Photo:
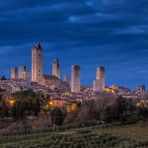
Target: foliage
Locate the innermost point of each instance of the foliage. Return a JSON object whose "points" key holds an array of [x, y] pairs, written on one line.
{"points": [[3, 78], [143, 111], [57, 116], [4, 109], [27, 103], [18, 110], [106, 110], [126, 111]]}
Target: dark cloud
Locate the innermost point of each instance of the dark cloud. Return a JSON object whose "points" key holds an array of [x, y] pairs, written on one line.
{"points": [[113, 33]]}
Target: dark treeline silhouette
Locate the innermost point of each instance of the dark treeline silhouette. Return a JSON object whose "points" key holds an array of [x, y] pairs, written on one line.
{"points": [[30, 103]]}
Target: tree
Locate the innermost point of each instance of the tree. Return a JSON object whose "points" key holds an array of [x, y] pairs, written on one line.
{"points": [[18, 110], [4, 109], [3, 78], [57, 117], [27, 102], [125, 109], [36, 107], [143, 112], [109, 113], [122, 104]]}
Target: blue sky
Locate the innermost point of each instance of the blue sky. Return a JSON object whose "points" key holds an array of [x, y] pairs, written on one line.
{"points": [[113, 33]]}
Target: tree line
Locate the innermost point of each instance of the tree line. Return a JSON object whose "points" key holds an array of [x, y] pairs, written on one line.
{"points": [[30, 103]]}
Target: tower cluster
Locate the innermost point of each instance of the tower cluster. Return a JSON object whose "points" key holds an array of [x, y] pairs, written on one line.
{"points": [[54, 80], [37, 71]]}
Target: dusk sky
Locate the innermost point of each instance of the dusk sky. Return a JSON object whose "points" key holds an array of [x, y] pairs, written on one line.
{"points": [[113, 33]]}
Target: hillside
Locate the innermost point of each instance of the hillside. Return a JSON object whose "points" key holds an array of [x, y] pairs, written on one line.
{"points": [[121, 136]]}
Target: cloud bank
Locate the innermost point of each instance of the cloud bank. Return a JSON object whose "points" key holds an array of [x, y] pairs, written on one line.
{"points": [[112, 33]]}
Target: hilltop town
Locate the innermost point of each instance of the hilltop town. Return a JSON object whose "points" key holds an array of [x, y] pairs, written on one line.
{"points": [[66, 89], [34, 103]]}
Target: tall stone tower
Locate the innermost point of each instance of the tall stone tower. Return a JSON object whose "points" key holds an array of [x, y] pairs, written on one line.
{"points": [[37, 63], [56, 68], [75, 78], [100, 73], [14, 73], [99, 83]]}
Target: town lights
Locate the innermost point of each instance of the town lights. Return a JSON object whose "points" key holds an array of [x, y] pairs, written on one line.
{"points": [[12, 102], [51, 103]]}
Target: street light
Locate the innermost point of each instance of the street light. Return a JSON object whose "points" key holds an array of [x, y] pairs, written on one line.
{"points": [[12, 102]]}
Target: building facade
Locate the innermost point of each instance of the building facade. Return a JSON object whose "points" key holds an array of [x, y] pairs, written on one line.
{"points": [[27, 76], [96, 85], [141, 88], [51, 81], [67, 79], [21, 71]]}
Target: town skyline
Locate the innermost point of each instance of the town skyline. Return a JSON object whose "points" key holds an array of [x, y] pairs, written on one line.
{"points": [[49, 72]]}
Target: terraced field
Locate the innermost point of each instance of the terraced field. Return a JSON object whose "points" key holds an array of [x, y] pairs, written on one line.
{"points": [[119, 137]]}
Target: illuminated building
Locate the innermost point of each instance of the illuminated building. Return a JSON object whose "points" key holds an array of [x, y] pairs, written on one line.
{"points": [[51, 81], [75, 81], [56, 68], [99, 83], [141, 88], [14, 73], [57, 103], [67, 79], [27, 76], [21, 71], [37, 63], [115, 87], [96, 85]]}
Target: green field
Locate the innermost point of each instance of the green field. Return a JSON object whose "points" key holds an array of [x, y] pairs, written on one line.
{"points": [[133, 136]]}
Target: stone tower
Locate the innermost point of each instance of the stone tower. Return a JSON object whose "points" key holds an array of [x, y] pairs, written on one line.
{"points": [[56, 68], [75, 78], [37, 63], [14, 73], [99, 83]]}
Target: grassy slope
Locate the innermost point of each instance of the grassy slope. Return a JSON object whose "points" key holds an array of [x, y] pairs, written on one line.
{"points": [[130, 136]]}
